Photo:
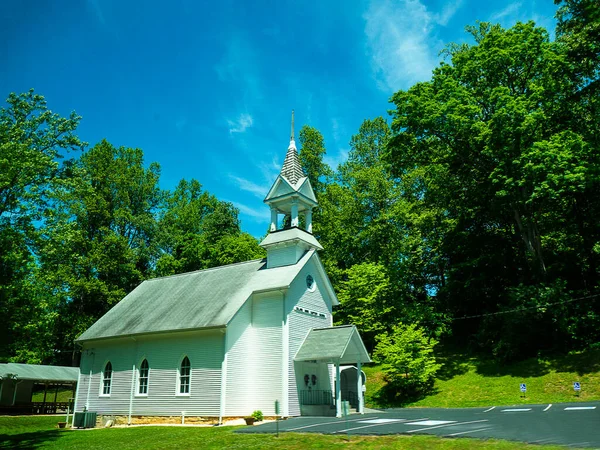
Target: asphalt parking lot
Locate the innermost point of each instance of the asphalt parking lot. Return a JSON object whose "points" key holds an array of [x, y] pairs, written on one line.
{"points": [[569, 424]]}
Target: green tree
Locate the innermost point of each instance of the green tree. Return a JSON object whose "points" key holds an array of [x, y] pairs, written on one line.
{"points": [[312, 152], [364, 297], [407, 359], [199, 231], [33, 141], [100, 237], [499, 185]]}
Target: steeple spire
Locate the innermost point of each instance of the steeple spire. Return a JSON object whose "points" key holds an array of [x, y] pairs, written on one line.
{"points": [[292, 169], [292, 134]]}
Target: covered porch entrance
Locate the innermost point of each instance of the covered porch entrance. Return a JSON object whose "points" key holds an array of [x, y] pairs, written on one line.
{"points": [[325, 348]]}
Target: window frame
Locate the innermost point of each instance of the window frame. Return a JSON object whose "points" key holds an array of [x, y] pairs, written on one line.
{"points": [[104, 381], [184, 377], [139, 377]]}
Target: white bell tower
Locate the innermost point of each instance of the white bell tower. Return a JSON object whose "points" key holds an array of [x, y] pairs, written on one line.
{"points": [[290, 195]]}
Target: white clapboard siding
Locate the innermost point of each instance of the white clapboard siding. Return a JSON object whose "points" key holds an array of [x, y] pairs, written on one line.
{"points": [[299, 325], [239, 383], [284, 256], [164, 355], [265, 357]]}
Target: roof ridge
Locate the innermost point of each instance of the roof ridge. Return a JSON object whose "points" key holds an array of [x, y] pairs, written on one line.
{"points": [[333, 326], [206, 270]]}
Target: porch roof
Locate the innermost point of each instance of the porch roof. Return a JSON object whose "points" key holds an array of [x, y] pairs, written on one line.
{"points": [[335, 345], [40, 373]]}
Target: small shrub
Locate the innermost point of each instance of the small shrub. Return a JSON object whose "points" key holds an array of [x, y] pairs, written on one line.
{"points": [[258, 415]]}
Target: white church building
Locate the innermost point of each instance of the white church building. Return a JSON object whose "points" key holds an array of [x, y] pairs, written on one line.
{"points": [[226, 341]]}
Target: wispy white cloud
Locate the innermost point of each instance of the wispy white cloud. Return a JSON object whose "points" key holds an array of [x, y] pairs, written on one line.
{"points": [[241, 124], [258, 214], [510, 10], [239, 68], [450, 8], [248, 186], [270, 169], [402, 40]]}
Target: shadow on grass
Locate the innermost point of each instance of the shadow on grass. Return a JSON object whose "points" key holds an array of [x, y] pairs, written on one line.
{"points": [[452, 366], [580, 363], [532, 367], [30, 440], [391, 397]]}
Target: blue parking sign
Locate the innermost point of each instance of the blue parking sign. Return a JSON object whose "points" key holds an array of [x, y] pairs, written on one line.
{"points": [[577, 386], [523, 387]]}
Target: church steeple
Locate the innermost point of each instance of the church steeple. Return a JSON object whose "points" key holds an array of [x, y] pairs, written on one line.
{"points": [[292, 169], [291, 195]]}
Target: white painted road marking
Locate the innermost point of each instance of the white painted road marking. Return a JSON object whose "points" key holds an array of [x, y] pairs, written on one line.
{"points": [[578, 408], [547, 407], [367, 426], [447, 425], [516, 410], [429, 423], [488, 410], [321, 424], [466, 432], [382, 420]]}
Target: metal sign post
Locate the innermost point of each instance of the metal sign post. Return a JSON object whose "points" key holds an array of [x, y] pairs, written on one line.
{"points": [[277, 416], [523, 388], [577, 387]]}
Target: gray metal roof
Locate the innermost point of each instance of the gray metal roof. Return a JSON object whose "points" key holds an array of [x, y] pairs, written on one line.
{"points": [[290, 234], [342, 345], [40, 372], [202, 299], [292, 169]]}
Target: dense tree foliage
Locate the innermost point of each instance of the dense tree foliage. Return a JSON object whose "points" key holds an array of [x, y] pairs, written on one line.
{"points": [[484, 148], [472, 216], [78, 235]]}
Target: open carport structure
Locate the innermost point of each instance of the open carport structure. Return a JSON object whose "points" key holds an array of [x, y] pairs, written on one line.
{"points": [[18, 382]]}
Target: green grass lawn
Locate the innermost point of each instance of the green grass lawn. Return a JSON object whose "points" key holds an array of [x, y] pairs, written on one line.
{"points": [[40, 433], [465, 382]]}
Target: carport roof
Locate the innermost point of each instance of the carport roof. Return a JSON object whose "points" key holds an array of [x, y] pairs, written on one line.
{"points": [[40, 373], [336, 345]]}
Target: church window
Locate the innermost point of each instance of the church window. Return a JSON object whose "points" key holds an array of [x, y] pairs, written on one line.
{"points": [[107, 378], [184, 376], [143, 378]]}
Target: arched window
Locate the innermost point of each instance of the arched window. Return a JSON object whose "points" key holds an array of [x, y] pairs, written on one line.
{"points": [[106, 378], [184, 376], [143, 378]]}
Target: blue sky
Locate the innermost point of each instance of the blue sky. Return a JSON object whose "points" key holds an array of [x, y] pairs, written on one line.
{"points": [[206, 88]]}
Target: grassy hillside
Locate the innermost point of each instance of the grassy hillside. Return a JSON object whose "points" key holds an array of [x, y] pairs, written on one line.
{"points": [[469, 381]]}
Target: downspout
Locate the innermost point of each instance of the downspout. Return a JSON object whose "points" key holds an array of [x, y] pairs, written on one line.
{"points": [[132, 382], [223, 398], [87, 400], [285, 367], [131, 394]]}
